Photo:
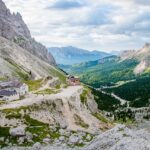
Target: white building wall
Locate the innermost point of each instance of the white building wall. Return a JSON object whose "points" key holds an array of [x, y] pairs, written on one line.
{"points": [[24, 89], [12, 97]]}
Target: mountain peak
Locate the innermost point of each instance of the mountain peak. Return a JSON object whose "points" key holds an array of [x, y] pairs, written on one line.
{"points": [[12, 25], [13, 28], [3, 9], [2, 4], [18, 15]]}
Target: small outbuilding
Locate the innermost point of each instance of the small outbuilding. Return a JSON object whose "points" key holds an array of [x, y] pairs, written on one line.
{"points": [[72, 80]]}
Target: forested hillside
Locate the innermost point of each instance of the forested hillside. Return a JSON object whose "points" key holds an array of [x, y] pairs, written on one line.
{"points": [[104, 72], [137, 92]]}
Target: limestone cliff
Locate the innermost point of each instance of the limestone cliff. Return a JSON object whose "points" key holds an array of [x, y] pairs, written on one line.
{"points": [[142, 55], [12, 27]]}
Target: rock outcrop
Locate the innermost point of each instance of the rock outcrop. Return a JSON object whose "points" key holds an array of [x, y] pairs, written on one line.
{"points": [[121, 138], [118, 138], [12, 27], [16, 132], [142, 55]]}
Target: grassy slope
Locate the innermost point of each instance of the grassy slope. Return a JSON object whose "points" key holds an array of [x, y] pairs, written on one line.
{"points": [[21, 73], [19, 63]]}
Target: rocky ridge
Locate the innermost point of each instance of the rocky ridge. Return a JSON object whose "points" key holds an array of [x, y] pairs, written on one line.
{"points": [[142, 55], [13, 28]]}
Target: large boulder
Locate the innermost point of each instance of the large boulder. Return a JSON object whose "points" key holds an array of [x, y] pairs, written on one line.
{"points": [[46, 140], [73, 139], [17, 132], [37, 146]]}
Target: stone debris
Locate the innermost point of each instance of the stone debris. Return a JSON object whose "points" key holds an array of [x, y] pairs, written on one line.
{"points": [[46, 140], [18, 131], [73, 139]]}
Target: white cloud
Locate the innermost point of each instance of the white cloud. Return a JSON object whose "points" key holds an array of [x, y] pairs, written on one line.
{"points": [[91, 24]]}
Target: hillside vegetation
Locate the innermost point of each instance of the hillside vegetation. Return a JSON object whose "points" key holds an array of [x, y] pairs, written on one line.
{"points": [[105, 102], [137, 92], [127, 75], [104, 72]]}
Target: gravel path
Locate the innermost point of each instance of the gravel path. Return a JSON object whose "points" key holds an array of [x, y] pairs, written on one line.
{"points": [[123, 101], [46, 86], [34, 98]]}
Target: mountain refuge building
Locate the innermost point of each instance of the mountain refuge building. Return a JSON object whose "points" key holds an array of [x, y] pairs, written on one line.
{"points": [[12, 90], [72, 80]]}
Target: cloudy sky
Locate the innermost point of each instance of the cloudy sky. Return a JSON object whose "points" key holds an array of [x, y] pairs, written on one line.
{"points": [[92, 24]]}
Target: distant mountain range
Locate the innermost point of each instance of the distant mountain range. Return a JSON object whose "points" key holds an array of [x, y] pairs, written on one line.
{"points": [[72, 55]]}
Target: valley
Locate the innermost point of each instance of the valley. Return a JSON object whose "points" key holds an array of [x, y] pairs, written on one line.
{"points": [[117, 74], [119, 89], [68, 98]]}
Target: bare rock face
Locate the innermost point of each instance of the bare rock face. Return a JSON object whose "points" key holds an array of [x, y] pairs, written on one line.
{"points": [[12, 27], [140, 67], [121, 138], [142, 56]]}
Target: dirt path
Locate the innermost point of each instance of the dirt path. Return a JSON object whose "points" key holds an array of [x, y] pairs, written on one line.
{"points": [[123, 101], [46, 86], [34, 99]]}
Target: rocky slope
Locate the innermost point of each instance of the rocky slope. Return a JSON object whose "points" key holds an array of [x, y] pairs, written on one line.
{"points": [[142, 55], [20, 55], [121, 138], [52, 119], [13, 28], [17, 62], [72, 55]]}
